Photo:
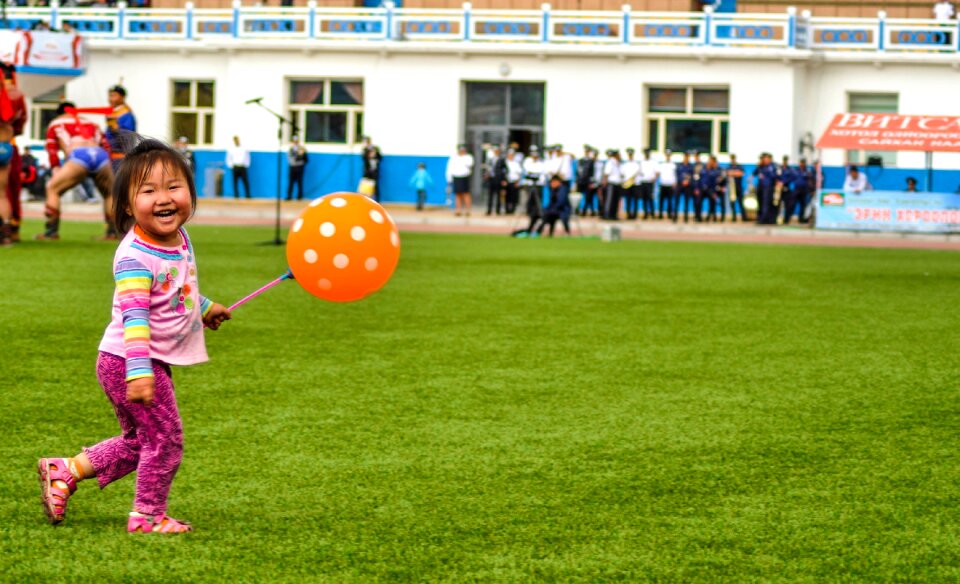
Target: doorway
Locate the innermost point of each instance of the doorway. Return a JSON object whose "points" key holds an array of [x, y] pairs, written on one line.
{"points": [[501, 113]]}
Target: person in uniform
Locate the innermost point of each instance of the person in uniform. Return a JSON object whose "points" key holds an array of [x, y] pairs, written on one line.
{"points": [[496, 180], [767, 177], [735, 181], [630, 173], [533, 177], [786, 189], [648, 177], [800, 193], [687, 189], [667, 175], [297, 159], [514, 174], [712, 189], [459, 170], [586, 181], [612, 185], [372, 159]]}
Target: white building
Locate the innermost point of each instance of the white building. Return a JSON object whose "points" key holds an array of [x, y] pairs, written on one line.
{"points": [[738, 83]]}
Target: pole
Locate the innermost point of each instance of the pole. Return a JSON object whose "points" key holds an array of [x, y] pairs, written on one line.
{"points": [[281, 120]]}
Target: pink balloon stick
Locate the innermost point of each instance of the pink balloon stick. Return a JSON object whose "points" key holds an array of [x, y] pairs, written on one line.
{"points": [[288, 275]]}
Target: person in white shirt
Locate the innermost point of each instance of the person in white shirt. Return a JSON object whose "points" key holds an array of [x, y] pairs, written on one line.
{"points": [[514, 174], [459, 170], [943, 10], [855, 182], [648, 176], [612, 184], [667, 173], [238, 160], [630, 172]]}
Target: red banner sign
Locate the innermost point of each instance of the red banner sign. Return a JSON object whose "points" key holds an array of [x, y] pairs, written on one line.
{"points": [[892, 132]]}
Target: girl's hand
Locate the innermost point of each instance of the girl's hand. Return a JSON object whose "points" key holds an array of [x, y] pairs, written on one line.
{"points": [[215, 317], [140, 391]]}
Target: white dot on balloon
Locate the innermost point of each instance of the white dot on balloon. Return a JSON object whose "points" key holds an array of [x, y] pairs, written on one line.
{"points": [[310, 256], [327, 229], [371, 264], [297, 225], [377, 216], [341, 261], [339, 202], [316, 201], [324, 284], [357, 233], [394, 239]]}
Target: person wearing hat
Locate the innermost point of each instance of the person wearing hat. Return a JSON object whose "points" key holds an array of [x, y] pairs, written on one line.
{"points": [[586, 180], [767, 178], [533, 180], [297, 159], [514, 166], [183, 147], [459, 170], [630, 170], [496, 175], [120, 122], [667, 174], [712, 189], [612, 185], [734, 191], [686, 189], [803, 184], [648, 176]]}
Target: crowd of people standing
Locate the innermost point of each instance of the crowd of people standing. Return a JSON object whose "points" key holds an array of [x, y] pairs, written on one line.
{"points": [[639, 188]]}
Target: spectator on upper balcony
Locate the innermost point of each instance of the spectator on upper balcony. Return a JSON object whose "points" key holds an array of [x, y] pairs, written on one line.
{"points": [[856, 181], [943, 10]]}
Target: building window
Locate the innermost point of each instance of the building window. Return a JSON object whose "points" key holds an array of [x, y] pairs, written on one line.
{"points": [[873, 103], [327, 111], [192, 112], [688, 118], [43, 109]]}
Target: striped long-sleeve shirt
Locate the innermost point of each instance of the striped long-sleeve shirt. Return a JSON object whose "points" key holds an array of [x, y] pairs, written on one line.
{"points": [[157, 307]]}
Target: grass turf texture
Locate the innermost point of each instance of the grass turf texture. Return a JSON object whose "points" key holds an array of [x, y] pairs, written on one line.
{"points": [[513, 411]]}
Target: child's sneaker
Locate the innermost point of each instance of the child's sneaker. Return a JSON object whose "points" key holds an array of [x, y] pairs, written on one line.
{"points": [[162, 523], [54, 498]]}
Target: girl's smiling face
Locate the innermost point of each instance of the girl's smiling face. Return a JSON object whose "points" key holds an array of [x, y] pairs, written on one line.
{"points": [[161, 204]]}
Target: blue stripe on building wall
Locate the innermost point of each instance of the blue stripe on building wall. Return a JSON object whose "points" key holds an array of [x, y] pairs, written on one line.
{"points": [[329, 173]]}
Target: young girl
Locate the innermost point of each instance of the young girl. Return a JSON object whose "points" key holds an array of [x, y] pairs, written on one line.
{"points": [[158, 320]]}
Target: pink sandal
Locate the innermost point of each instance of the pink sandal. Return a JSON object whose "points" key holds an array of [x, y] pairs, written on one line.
{"points": [[54, 498], [162, 523]]}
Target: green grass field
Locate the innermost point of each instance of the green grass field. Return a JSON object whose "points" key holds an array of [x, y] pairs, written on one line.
{"points": [[505, 410]]}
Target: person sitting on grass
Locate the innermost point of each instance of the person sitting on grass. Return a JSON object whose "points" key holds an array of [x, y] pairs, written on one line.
{"points": [[158, 321]]}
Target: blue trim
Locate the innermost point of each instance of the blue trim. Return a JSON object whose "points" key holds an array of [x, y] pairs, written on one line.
{"points": [[236, 22], [626, 28], [50, 71], [466, 25], [312, 22], [190, 24], [545, 37], [881, 29], [708, 24], [121, 13], [388, 33], [792, 31]]}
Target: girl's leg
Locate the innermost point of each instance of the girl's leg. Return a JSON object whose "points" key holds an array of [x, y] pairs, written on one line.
{"points": [[160, 434], [115, 457]]}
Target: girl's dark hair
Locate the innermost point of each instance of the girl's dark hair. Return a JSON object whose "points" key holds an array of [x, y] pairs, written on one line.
{"points": [[133, 171]]}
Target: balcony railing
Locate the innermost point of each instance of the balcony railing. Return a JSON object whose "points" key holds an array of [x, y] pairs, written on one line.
{"points": [[789, 30]]}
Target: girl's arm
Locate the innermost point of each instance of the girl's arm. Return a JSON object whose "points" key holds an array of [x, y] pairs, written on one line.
{"points": [[134, 281]]}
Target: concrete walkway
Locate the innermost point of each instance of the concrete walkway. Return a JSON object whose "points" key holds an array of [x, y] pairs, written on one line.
{"points": [[440, 220]]}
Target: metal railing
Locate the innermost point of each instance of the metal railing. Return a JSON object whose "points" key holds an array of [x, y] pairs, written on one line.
{"points": [[466, 25]]}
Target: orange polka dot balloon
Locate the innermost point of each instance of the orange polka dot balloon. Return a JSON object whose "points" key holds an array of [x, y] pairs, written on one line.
{"points": [[343, 247]]}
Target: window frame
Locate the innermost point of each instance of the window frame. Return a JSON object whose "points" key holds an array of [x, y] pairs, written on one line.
{"points": [[298, 111], [201, 113], [859, 157], [661, 118]]}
